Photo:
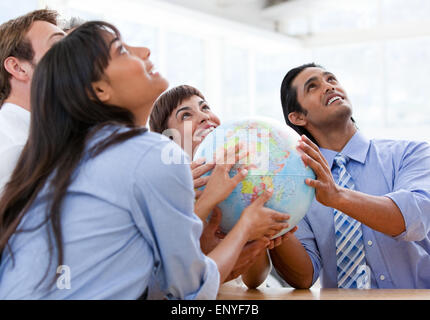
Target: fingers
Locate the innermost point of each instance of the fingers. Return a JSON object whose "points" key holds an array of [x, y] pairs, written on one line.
{"points": [[200, 170], [257, 245], [200, 182], [239, 176], [311, 152], [225, 154], [310, 148], [315, 165], [238, 157], [275, 242], [278, 216], [291, 231], [263, 198], [278, 228], [313, 183], [278, 241], [230, 155], [198, 162], [279, 223], [275, 229], [309, 142]]}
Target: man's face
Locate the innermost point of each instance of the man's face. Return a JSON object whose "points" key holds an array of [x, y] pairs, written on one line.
{"points": [[321, 95], [42, 36]]}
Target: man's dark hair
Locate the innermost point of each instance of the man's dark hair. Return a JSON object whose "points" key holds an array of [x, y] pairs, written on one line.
{"points": [[289, 98]]}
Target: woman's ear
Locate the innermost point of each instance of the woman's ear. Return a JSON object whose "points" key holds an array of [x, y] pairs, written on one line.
{"points": [[20, 70], [297, 118], [102, 90]]}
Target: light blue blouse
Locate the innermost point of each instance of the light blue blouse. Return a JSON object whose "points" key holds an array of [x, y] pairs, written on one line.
{"points": [[128, 225]]}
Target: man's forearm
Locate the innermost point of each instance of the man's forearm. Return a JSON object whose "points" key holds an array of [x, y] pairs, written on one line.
{"points": [[258, 272], [293, 263], [377, 212]]}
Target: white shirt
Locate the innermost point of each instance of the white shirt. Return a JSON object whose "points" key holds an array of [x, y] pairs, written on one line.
{"points": [[14, 130]]}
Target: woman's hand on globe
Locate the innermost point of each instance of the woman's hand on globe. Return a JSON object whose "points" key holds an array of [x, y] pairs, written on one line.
{"points": [[260, 221], [219, 184], [224, 160], [198, 168], [211, 235], [278, 240]]}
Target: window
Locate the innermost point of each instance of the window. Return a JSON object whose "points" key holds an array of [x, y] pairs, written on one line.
{"points": [[185, 62], [407, 82], [359, 70], [235, 82]]}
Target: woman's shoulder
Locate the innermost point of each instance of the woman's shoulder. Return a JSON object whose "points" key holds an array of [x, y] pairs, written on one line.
{"points": [[152, 144], [138, 138], [142, 146]]}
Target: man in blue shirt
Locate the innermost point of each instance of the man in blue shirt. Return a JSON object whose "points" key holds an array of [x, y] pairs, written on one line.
{"points": [[383, 196]]}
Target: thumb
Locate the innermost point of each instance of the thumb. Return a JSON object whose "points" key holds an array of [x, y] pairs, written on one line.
{"points": [[262, 243], [261, 200], [197, 163]]}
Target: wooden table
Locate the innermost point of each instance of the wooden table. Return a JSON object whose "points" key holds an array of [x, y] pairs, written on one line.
{"points": [[232, 291]]}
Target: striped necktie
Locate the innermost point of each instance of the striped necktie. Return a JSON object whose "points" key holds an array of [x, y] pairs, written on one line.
{"points": [[352, 271]]}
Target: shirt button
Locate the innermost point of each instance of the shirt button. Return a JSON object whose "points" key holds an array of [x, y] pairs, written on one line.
{"points": [[382, 277], [369, 242]]}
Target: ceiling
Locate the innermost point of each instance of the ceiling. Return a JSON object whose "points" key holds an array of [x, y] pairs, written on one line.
{"points": [[324, 22], [244, 11]]}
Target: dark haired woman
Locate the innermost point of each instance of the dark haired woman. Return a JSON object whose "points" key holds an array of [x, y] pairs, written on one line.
{"points": [[91, 211]]}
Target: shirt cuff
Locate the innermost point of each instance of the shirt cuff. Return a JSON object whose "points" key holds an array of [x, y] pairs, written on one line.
{"points": [[407, 202], [316, 267], [211, 283]]}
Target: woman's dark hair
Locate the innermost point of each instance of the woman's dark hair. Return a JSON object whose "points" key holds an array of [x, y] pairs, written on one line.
{"points": [[289, 98], [66, 113], [167, 102]]}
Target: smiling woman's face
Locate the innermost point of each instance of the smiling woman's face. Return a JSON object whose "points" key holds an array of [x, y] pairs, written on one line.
{"points": [[194, 120]]}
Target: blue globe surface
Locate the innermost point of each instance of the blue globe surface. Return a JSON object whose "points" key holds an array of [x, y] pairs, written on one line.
{"points": [[275, 163]]}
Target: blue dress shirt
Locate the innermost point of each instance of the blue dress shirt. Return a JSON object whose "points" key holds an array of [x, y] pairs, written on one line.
{"points": [[399, 170], [128, 226]]}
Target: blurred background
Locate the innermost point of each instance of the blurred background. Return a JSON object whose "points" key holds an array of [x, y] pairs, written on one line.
{"points": [[237, 51]]}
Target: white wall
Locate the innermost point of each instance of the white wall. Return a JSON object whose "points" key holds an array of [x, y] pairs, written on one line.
{"points": [[239, 68]]}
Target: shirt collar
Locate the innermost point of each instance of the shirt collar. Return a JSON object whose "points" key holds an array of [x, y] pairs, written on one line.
{"points": [[356, 149], [11, 108]]}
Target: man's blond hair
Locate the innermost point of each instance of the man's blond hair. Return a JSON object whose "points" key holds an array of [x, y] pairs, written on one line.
{"points": [[13, 42]]}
